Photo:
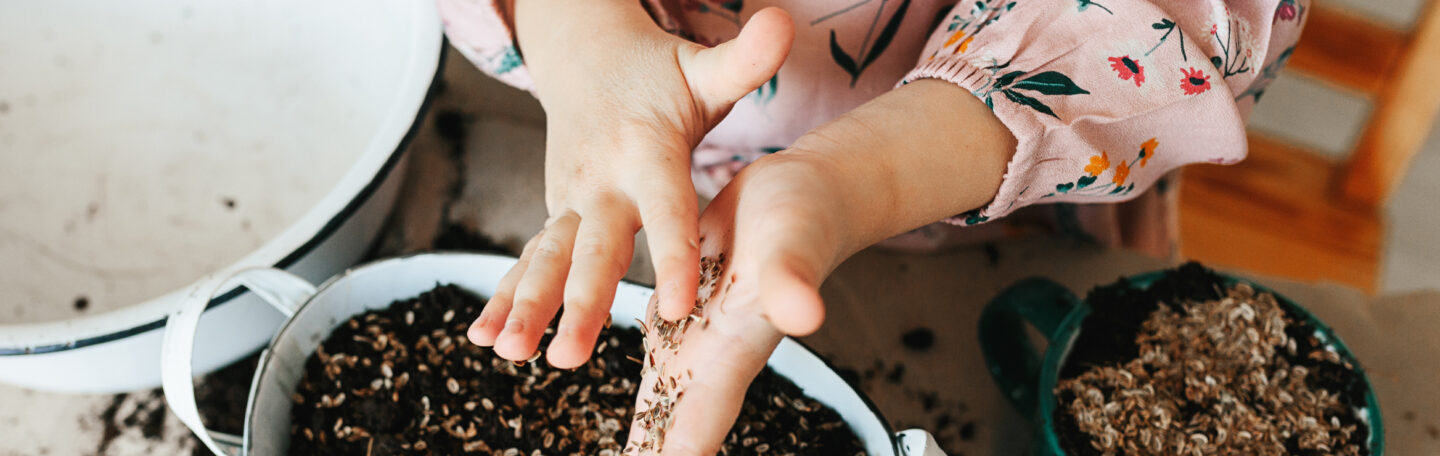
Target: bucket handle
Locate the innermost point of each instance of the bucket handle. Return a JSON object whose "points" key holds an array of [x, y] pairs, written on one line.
{"points": [[283, 290], [1012, 360], [918, 442]]}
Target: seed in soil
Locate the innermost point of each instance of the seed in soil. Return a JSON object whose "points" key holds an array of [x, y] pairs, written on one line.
{"points": [[411, 396]]}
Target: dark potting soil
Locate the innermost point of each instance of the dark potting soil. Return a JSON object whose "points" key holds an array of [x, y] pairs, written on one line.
{"points": [[1118, 311], [142, 411], [222, 395], [457, 237], [405, 380], [949, 420], [919, 340]]}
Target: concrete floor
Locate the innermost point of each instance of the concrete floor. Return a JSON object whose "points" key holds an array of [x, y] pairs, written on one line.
{"points": [[1309, 112]]}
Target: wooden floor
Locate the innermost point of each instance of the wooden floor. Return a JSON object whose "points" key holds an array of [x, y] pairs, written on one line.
{"points": [[1272, 214]]}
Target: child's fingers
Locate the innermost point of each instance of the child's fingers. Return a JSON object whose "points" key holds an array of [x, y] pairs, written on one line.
{"points": [[672, 234], [603, 247], [492, 319], [538, 295]]}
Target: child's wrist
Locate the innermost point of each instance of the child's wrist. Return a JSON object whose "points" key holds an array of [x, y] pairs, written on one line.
{"points": [[861, 190], [818, 187], [560, 27]]}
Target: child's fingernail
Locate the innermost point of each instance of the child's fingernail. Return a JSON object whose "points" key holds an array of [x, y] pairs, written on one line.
{"points": [[514, 326], [564, 330]]}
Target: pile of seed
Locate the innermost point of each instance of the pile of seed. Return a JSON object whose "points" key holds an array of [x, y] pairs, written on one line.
{"points": [[776, 417], [657, 415], [1215, 377], [405, 380]]}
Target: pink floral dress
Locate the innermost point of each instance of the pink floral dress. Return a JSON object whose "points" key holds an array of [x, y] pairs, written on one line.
{"points": [[1106, 97]]}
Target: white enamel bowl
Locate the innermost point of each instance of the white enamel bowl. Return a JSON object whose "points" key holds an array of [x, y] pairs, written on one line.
{"points": [[148, 144], [313, 314]]}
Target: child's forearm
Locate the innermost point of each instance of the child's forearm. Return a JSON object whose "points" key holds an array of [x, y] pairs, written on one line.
{"points": [[920, 153]]}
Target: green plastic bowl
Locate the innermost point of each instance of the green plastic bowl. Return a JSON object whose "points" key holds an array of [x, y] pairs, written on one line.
{"points": [[1053, 310]]}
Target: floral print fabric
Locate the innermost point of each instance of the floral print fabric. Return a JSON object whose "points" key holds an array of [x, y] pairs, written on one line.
{"points": [[1105, 97]]}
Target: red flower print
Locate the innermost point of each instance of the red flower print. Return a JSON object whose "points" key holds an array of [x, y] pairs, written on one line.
{"points": [[1287, 10], [1194, 82], [1128, 69]]}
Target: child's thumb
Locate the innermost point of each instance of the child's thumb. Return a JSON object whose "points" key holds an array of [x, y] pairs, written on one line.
{"points": [[790, 296], [727, 72]]}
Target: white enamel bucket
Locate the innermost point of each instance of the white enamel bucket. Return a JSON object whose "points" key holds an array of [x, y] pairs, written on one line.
{"points": [[140, 88], [314, 312]]}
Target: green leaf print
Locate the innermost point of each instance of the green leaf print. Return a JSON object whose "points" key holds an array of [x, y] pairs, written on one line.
{"points": [[1044, 83], [1050, 83], [1085, 181], [766, 92], [973, 217], [507, 61], [1007, 78], [843, 59], [869, 50], [1027, 101], [1084, 4], [886, 35]]}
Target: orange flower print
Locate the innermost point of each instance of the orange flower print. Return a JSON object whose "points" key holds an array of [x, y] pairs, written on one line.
{"points": [[1147, 150], [1121, 172], [964, 45], [954, 37], [1098, 164]]}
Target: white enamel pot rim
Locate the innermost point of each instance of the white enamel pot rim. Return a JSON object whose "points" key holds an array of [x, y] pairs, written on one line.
{"points": [[371, 169], [114, 351], [313, 312]]}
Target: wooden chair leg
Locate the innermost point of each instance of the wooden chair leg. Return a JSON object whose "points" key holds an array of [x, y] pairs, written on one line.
{"points": [[1347, 49], [1404, 111]]}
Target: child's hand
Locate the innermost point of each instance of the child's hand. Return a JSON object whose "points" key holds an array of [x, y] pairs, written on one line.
{"points": [[625, 105], [917, 154], [777, 226]]}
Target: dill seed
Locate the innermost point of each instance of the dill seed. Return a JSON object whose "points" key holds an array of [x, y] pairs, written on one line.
{"points": [[1217, 374]]}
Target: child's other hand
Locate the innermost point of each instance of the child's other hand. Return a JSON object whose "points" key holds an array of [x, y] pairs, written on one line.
{"points": [[625, 105], [778, 227], [917, 154]]}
